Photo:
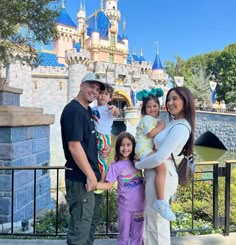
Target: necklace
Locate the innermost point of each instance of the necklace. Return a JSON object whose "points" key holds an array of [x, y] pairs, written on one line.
{"points": [[77, 99]]}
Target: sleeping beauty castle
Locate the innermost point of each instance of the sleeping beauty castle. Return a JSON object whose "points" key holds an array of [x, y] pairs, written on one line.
{"points": [[32, 99], [93, 43]]}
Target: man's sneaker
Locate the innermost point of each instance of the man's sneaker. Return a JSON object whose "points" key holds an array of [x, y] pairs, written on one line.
{"points": [[163, 208]]}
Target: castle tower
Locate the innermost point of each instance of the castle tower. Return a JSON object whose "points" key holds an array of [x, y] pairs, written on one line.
{"points": [[67, 34], [113, 13], [77, 68], [103, 41], [158, 75]]}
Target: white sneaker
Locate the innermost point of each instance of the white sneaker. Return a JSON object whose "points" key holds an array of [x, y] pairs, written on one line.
{"points": [[163, 208]]}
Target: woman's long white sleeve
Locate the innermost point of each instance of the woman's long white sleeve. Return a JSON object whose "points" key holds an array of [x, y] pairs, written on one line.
{"points": [[175, 140]]}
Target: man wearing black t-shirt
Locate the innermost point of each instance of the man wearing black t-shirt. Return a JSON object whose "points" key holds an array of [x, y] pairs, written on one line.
{"points": [[80, 150]]}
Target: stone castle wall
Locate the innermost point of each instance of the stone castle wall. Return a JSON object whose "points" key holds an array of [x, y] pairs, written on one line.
{"points": [[51, 88]]}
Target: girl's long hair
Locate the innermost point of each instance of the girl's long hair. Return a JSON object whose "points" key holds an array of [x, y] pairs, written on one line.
{"points": [[119, 139], [189, 114]]}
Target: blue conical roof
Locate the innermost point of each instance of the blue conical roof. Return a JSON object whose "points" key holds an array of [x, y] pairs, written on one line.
{"points": [[65, 19], [135, 57], [99, 23], [141, 59], [157, 65]]}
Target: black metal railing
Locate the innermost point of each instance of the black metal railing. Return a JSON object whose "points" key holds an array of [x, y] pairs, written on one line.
{"points": [[215, 169], [218, 110], [215, 172]]}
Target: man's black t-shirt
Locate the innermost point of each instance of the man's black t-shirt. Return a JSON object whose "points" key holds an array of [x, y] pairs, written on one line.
{"points": [[77, 125]]}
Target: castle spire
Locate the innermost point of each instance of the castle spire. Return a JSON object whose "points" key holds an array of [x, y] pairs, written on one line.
{"points": [[101, 4], [63, 4], [81, 5], [157, 46], [95, 24], [157, 65], [124, 36]]}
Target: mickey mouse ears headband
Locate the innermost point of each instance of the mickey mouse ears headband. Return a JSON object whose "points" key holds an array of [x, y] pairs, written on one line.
{"points": [[141, 95]]}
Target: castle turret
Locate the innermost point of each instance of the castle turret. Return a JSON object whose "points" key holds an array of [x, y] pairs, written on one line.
{"points": [[77, 68], [158, 73], [112, 12], [67, 34]]}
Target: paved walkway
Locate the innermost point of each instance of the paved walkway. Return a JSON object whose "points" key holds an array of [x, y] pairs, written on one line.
{"points": [[213, 239]]}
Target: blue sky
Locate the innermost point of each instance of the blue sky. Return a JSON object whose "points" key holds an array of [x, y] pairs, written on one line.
{"points": [[184, 28]]}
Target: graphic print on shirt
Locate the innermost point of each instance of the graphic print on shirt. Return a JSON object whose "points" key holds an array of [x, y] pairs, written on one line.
{"points": [[131, 178], [138, 216]]}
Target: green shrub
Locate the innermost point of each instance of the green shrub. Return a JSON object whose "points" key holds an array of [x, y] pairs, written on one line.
{"points": [[46, 224]]}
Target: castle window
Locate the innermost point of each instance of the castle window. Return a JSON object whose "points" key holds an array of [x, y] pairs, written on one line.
{"points": [[112, 39], [111, 58]]}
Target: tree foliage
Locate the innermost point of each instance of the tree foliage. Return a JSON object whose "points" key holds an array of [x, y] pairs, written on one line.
{"points": [[226, 75], [200, 86], [23, 24], [198, 70]]}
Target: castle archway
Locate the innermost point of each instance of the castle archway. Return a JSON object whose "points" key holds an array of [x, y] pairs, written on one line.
{"points": [[121, 99]]}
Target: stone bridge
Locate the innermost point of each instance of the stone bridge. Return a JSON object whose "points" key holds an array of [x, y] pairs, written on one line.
{"points": [[212, 129], [216, 130]]}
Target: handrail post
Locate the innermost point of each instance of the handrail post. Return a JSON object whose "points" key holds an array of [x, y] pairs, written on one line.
{"points": [[215, 196], [227, 198]]}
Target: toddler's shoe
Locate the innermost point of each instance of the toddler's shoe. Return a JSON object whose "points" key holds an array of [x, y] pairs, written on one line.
{"points": [[163, 208], [98, 191]]}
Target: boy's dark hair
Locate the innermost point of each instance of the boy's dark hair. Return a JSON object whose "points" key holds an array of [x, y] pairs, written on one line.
{"points": [[109, 88], [145, 101], [119, 139]]}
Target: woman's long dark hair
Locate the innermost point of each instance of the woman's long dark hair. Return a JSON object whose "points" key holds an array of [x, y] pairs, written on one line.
{"points": [[189, 114], [119, 139]]}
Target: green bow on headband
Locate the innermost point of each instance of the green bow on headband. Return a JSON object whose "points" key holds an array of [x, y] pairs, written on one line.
{"points": [[141, 95]]}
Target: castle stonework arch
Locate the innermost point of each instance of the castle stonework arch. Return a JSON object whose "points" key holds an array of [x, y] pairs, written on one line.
{"points": [[213, 126], [216, 129], [208, 139]]}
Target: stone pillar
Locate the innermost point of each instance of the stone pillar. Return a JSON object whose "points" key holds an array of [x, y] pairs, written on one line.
{"points": [[132, 118], [24, 142]]}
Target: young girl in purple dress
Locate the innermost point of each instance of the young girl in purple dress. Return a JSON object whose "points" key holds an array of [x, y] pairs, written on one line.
{"points": [[131, 197]]}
